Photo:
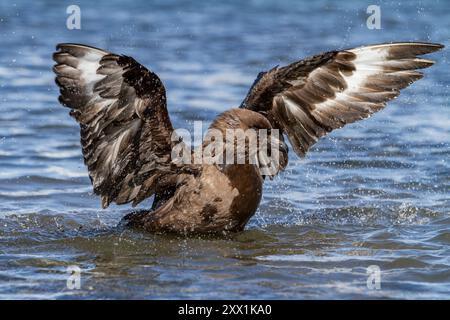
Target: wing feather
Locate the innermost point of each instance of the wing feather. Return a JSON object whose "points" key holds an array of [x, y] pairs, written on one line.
{"points": [[124, 124], [311, 97]]}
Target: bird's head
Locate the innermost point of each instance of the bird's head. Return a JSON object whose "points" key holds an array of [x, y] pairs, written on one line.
{"points": [[249, 138]]}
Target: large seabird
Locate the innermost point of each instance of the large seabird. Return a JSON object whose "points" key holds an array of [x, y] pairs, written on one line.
{"points": [[126, 130]]}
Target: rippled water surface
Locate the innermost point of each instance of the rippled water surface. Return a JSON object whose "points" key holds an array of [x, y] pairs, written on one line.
{"points": [[374, 193]]}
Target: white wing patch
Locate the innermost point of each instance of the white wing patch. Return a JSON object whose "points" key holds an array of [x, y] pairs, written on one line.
{"points": [[350, 86], [88, 66], [124, 147]]}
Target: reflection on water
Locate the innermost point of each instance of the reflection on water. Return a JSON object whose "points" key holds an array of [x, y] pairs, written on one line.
{"points": [[375, 193]]}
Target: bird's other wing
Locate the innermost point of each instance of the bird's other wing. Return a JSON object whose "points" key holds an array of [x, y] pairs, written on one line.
{"points": [[309, 98], [124, 123]]}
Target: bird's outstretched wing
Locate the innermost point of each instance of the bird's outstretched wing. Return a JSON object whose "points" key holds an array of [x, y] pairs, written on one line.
{"points": [[125, 126], [309, 98]]}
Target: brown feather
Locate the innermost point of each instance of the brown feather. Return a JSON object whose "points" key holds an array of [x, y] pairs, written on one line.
{"points": [[309, 98], [124, 124]]}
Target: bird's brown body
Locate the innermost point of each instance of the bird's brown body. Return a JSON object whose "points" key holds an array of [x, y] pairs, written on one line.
{"points": [[219, 199], [214, 202], [127, 137]]}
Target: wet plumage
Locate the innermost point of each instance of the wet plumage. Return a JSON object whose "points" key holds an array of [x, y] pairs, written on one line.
{"points": [[126, 130]]}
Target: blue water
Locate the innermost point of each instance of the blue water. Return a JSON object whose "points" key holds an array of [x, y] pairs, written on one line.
{"points": [[374, 193]]}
